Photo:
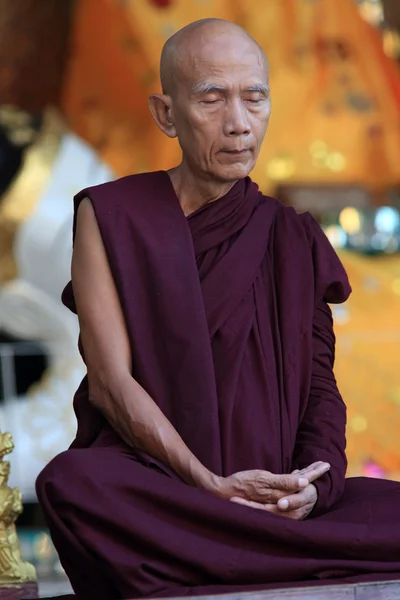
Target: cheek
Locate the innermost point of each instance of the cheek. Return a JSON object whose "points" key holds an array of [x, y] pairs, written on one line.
{"points": [[207, 119], [198, 140], [190, 133], [205, 132], [260, 124]]}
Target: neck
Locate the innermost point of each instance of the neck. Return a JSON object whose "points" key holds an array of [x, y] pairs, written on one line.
{"points": [[193, 190]]}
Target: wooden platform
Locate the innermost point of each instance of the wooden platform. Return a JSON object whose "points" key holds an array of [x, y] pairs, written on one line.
{"points": [[388, 590], [29, 591], [360, 591]]}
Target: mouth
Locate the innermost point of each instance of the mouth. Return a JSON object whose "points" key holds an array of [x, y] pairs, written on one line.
{"points": [[237, 152]]}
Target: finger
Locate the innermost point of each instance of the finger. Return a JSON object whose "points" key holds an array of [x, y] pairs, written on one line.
{"points": [[296, 515], [315, 471], [307, 469], [250, 503], [273, 509], [310, 467], [272, 496], [299, 500], [288, 483], [271, 487]]}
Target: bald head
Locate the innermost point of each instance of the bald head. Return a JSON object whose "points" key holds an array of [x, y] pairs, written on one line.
{"points": [[215, 99], [186, 48]]}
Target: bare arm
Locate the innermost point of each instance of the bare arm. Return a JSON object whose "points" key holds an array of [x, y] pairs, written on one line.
{"points": [[112, 389]]}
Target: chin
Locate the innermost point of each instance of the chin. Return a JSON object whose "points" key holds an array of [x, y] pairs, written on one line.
{"points": [[233, 172]]}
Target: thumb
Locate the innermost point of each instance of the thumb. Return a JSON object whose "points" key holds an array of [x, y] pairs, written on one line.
{"points": [[288, 483]]}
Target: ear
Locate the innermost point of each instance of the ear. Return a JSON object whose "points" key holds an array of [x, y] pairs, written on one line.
{"points": [[160, 107]]}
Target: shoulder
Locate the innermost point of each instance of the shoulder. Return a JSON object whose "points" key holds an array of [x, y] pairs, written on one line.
{"points": [[296, 226], [106, 201], [293, 226], [117, 191], [301, 240]]}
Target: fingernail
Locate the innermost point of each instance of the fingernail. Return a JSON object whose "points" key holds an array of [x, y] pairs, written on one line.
{"points": [[303, 482], [283, 504]]}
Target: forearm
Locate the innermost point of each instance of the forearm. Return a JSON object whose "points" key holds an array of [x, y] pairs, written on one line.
{"points": [[321, 433], [321, 437], [330, 485], [141, 424]]}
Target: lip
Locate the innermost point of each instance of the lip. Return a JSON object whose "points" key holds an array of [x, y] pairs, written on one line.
{"points": [[242, 151]]}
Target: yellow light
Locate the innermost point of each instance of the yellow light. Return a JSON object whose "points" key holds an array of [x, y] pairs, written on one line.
{"points": [[396, 396], [319, 162], [336, 236], [372, 11], [358, 424], [396, 286], [391, 43], [336, 162], [318, 149], [281, 168], [350, 220]]}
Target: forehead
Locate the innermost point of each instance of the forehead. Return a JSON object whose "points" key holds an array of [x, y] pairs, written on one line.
{"points": [[231, 60]]}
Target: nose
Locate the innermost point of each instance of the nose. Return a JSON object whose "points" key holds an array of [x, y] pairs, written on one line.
{"points": [[236, 122]]}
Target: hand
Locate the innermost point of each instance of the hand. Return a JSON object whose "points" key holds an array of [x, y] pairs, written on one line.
{"points": [[297, 506], [265, 487]]}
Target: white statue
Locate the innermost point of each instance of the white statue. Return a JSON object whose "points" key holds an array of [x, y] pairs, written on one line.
{"points": [[39, 204]]}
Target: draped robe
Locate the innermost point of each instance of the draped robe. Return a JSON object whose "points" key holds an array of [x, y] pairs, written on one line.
{"points": [[227, 313]]}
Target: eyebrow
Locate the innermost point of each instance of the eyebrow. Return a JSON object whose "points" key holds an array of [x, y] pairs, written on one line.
{"points": [[205, 88], [261, 87]]}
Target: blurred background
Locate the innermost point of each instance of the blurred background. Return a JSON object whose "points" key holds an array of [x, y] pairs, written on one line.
{"points": [[74, 80]]}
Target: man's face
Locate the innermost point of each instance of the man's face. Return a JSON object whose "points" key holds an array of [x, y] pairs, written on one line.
{"points": [[221, 107]]}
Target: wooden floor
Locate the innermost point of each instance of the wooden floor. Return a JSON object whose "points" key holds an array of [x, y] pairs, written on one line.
{"points": [[361, 591], [389, 590], [27, 591]]}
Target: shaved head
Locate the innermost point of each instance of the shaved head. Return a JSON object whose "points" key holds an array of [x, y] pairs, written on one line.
{"points": [[183, 50], [215, 99]]}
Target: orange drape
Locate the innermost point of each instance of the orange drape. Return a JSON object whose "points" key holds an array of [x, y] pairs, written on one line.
{"points": [[336, 96], [367, 362]]}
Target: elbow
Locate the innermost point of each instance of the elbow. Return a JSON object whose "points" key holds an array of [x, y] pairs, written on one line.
{"points": [[99, 392], [105, 389]]}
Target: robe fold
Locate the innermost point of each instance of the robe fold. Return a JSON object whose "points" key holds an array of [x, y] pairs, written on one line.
{"points": [[227, 313]]}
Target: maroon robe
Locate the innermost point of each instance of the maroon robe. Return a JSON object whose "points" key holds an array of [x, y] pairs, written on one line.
{"points": [[231, 334]]}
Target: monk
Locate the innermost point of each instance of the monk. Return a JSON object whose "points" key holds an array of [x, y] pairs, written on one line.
{"points": [[210, 451]]}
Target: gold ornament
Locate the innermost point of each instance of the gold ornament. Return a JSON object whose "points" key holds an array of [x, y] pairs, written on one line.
{"points": [[17, 125], [22, 196], [14, 571]]}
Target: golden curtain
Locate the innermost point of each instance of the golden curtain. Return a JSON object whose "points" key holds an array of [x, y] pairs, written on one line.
{"points": [[336, 96], [367, 363]]}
